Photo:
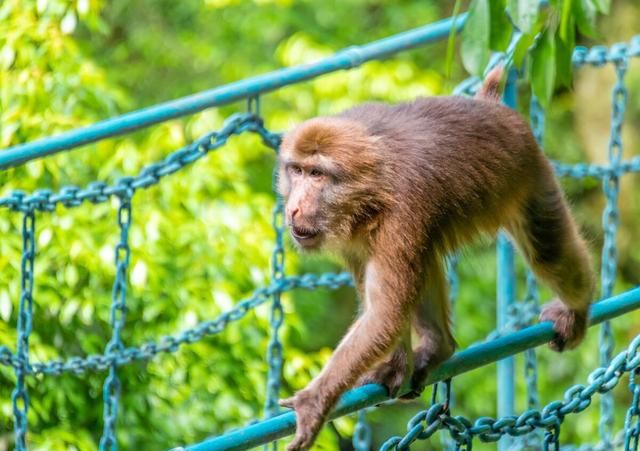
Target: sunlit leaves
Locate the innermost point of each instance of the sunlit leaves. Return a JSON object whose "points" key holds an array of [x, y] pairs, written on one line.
{"points": [[476, 37], [524, 13], [69, 22], [548, 36]]}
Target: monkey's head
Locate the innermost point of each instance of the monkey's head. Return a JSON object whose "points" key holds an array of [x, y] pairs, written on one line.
{"points": [[329, 180]]}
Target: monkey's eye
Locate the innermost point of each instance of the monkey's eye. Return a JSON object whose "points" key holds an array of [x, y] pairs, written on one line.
{"points": [[316, 173], [296, 170]]}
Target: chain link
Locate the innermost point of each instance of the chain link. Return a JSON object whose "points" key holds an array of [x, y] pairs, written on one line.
{"points": [[632, 420], [274, 351], [98, 192], [551, 441], [610, 221], [20, 396], [361, 439], [453, 279], [168, 344], [112, 386], [576, 399], [599, 55], [532, 298]]}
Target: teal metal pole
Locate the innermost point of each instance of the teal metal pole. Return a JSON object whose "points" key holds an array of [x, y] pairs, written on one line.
{"points": [[506, 288], [505, 367], [345, 59], [471, 358]]}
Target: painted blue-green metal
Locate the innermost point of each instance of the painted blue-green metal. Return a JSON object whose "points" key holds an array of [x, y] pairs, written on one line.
{"points": [[610, 221], [345, 59], [20, 396], [462, 362], [284, 424], [506, 294]]}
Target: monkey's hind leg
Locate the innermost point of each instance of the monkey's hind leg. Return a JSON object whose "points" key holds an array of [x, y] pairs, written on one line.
{"points": [[551, 243], [394, 370], [431, 322]]}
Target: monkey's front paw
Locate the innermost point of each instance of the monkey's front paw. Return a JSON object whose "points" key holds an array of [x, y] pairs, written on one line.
{"points": [[310, 416], [392, 377], [570, 325]]}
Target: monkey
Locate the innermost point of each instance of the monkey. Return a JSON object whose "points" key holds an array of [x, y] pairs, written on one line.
{"points": [[393, 189]]}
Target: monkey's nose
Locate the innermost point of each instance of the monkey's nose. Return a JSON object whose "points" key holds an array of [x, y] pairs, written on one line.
{"points": [[292, 213]]}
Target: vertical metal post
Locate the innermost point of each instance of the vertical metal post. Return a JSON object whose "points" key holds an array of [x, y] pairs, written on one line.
{"points": [[506, 282]]}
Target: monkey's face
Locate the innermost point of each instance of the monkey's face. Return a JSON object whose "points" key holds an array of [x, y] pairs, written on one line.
{"points": [[327, 178], [306, 186]]}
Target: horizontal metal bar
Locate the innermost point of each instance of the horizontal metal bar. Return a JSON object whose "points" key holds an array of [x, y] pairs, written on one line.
{"points": [[369, 395], [345, 59]]}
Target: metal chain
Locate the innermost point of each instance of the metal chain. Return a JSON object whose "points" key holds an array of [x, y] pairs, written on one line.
{"points": [[576, 399], [551, 441], [171, 343], [453, 279], [361, 439], [599, 55], [610, 220], [111, 389], [98, 192], [632, 420], [274, 350], [599, 171], [532, 297], [20, 397]]}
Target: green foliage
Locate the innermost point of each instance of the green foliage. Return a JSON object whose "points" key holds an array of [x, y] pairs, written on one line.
{"points": [[201, 240], [476, 37], [548, 34]]}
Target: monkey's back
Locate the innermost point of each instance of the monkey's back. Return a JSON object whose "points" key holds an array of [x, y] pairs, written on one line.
{"points": [[463, 165]]}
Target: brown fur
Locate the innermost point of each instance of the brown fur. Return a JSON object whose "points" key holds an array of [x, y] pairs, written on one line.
{"points": [[395, 188]]}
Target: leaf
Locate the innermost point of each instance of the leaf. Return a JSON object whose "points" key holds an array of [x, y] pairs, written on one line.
{"points": [[564, 72], [82, 7], [475, 37], [566, 25], [451, 40], [585, 12], [7, 56], [520, 52], [69, 22], [524, 13], [543, 67], [603, 6], [501, 28]]}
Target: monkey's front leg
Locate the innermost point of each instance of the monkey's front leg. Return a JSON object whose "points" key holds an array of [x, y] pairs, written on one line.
{"points": [[372, 337], [393, 371]]}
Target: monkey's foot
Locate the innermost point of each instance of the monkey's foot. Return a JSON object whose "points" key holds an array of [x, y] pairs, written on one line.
{"points": [[425, 360], [387, 374], [570, 325], [310, 416]]}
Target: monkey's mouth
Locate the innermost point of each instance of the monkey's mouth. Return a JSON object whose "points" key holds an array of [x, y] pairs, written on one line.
{"points": [[304, 236]]}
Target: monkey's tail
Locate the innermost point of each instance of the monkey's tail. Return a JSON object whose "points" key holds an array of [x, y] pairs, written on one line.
{"points": [[490, 89]]}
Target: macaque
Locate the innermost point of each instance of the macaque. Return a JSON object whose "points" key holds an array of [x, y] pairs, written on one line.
{"points": [[392, 190]]}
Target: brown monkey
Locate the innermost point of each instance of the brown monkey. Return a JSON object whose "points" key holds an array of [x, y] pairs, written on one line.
{"points": [[395, 188]]}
